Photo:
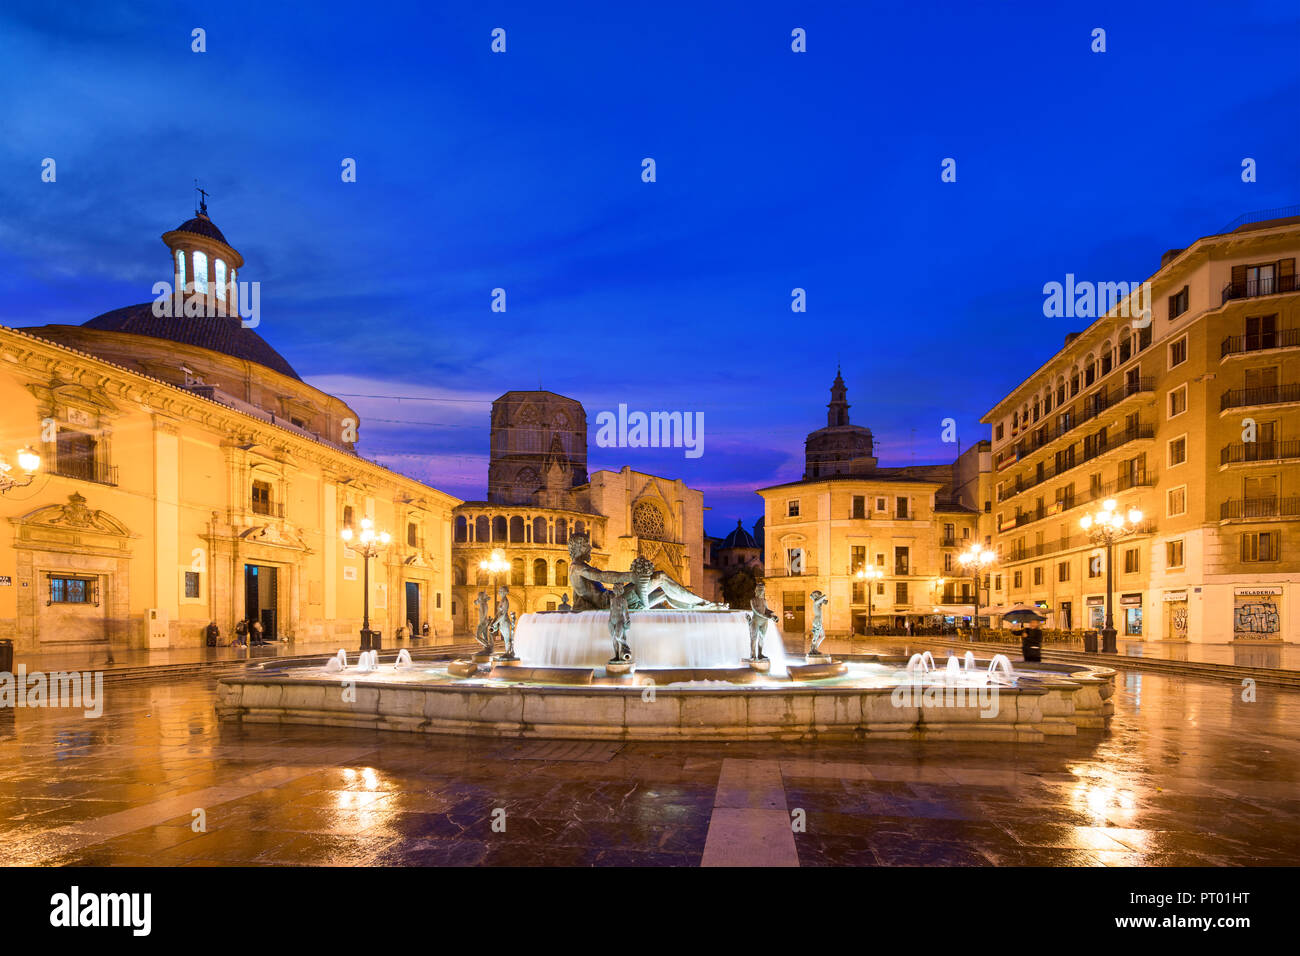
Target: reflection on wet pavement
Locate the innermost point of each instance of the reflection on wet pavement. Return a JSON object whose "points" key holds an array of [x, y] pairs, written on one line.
{"points": [[1189, 774]]}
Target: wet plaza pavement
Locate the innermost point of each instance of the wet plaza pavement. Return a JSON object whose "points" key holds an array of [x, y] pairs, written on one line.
{"points": [[1188, 774]]}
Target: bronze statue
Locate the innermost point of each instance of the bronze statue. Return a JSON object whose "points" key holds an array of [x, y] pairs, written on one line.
{"points": [[819, 601], [483, 633], [620, 622], [504, 624], [651, 588], [758, 619]]}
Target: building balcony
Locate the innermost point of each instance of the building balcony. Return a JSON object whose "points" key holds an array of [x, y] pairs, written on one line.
{"points": [[1255, 508], [85, 470], [1260, 395], [804, 572], [1067, 543], [1090, 452], [267, 509], [1259, 342], [1254, 288], [1144, 479], [1259, 451]]}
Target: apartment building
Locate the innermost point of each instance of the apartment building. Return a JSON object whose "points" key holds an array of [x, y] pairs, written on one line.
{"points": [[1194, 419]]}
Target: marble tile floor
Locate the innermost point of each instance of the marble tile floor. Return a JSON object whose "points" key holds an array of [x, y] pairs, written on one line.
{"points": [[1188, 775]]}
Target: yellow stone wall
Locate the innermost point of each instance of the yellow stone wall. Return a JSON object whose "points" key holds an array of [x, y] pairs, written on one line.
{"points": [[173, 495]]}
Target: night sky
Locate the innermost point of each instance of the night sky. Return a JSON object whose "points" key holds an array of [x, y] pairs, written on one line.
{"points": [[522, 170]]}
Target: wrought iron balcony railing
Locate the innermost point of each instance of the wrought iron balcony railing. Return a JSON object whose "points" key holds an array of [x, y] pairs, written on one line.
{"points": [[1252, 288], [1259, 395], [1259, 451], [1259, 341], [1273, 507]]}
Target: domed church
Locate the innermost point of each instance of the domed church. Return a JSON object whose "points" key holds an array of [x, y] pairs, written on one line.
{"points": [[190, 476]]}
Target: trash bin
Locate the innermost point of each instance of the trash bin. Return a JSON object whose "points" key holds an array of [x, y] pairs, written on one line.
{"points": [[6, 657], [1031, 644], [1090, 641], [371, 640]]}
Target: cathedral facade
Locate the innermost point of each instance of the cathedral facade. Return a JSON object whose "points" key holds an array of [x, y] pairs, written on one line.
{"points": [[539, 494]]}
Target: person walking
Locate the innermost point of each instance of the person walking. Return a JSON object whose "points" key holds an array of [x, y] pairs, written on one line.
{"points": [[241, 635]]}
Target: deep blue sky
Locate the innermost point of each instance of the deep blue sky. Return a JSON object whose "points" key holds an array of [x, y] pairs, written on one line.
{"points": [[775, 170]]}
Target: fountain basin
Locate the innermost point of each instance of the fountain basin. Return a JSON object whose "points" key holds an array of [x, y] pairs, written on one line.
{"points": [[873, 699]]}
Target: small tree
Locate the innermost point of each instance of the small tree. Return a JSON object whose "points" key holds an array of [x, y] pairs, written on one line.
{"points": [[738, 588]]}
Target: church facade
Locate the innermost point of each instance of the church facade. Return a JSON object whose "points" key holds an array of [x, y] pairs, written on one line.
{"points": [[190, 476]]}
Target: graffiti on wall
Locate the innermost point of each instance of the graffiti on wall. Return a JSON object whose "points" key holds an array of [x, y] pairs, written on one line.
{"points": [[1256, 617], [1178, 621]]}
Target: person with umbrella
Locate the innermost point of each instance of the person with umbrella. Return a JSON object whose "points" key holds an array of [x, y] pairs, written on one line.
{"points": [[1031, 641]]}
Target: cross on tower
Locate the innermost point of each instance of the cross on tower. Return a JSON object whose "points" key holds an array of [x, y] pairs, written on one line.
{"points": [[203, 198]]}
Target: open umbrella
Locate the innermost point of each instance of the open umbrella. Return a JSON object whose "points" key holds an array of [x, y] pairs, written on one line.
{"points": [[1022, 614]]}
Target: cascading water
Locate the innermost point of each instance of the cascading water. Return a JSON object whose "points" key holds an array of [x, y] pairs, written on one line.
{"points": [[658, 639]]}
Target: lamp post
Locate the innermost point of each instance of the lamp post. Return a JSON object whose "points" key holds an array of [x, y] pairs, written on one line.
{"points": [[869, 576], [976, 559], [494, 564], [28, 461], [371, 543], [1105, 527]]}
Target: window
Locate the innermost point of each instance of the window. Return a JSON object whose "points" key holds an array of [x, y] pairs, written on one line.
{"points": [[792, 509], [1002, 430], [1131, 561], [1177, 451], [347, 517], [859, 506], [1178, 304], [901, 559], [1174, 554], [261, 498], [539, 571], [68, 590], [75, 455], [180, 271], [1260, 545], [1178, 352], [997, 582], [1063, 571], [1176, 502], [858, 558], [1016, 579], [561, 573], [880, 504], [1178, 401], [900, 592], [192, 584], [1038, 575], [794, 560], [200, 260], [902, 507], [412, 535], [220, 277], [1094, 566], [880, 589]]}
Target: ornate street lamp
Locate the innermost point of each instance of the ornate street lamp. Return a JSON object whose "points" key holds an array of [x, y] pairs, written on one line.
{"points": [[494, 564], [28, 461], [371, 543], [869, 575], [1105, 527], [976, 559]]}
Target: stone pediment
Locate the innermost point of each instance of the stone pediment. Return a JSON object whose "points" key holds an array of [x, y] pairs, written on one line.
{"points": [[273, 534], [59, 394], [75, 516]]}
